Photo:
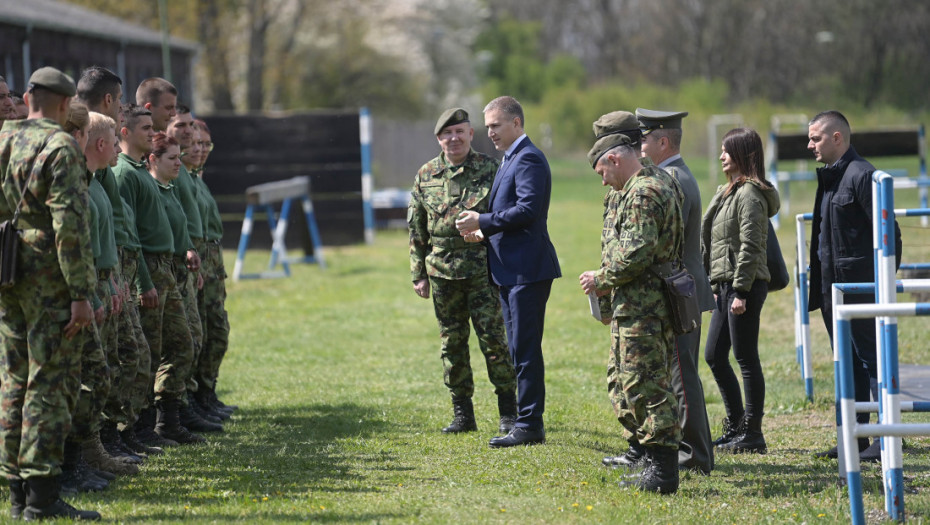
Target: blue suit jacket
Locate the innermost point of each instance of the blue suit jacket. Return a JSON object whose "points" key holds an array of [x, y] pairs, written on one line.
{"points": [[519, 249]]}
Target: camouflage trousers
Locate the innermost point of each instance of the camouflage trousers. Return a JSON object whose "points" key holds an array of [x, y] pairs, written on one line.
{"points": [[187, 285], [96, 377], [166, 330], [455, 301], [40, 372], [212, 302], [639, 380], [113, 409], [133, 349]]}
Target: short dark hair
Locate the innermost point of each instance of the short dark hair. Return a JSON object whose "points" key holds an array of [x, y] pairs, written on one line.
{"points": [[151, 90], [182, 109], [509, 105], [95, 83], [132, 113], [834, 121], [673, 136]]}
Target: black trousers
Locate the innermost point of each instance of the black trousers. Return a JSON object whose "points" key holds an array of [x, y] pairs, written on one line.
{"points": [[741, 332], [864, 356]]}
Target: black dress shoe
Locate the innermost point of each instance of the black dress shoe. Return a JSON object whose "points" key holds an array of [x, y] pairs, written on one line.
{"points": [[873, 453], [832, 453], [519, 436]]}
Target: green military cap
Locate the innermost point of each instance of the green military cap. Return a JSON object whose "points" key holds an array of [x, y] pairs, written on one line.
{"points": [[611, 130], [606, 143], [616, 122], [53, 80], [450, 117], [651, 120]]}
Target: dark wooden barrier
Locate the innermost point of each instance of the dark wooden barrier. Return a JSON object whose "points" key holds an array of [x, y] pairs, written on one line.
{"points": [[255, 149]]}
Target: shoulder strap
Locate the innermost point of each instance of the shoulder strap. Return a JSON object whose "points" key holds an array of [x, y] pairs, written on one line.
{"points": [[22, 189]]}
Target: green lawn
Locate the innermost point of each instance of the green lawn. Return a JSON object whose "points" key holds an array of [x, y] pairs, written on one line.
{"points": [[338, 377]]}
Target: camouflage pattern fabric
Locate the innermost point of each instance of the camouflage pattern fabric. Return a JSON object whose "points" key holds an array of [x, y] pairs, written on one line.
{"points": [[95, 386], [113, 409], [167, 332], [187, 285], [40, 375], [134, 354], [642, 226], [212, 302], [454, 302], [458, 271]]}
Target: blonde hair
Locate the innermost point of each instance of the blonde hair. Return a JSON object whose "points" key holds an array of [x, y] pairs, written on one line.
{"points": [[99, 125], [77, 117]]}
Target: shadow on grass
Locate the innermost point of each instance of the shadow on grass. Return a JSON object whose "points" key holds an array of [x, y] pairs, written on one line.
{"points": [[291, 456]]}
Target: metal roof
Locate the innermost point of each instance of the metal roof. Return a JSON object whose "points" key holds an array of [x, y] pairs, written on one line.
{"points": [[69, 18]]}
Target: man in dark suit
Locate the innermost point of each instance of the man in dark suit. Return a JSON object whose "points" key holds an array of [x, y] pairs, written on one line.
{"points": [[661, 143], [521, 258]]}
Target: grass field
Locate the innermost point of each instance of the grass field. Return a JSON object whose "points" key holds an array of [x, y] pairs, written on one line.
{"points": [[338, 377]]}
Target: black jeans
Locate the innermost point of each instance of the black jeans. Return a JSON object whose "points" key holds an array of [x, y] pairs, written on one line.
{"points": [[742, 333]]}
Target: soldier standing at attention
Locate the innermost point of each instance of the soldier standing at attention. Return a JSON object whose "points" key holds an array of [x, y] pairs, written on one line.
{"points": [[43, 182], [646, 229], [459, 179], [661, 143]]}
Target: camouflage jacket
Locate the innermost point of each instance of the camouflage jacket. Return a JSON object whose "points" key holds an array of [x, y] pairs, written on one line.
{"points": [[440, 192], [642, 227], [54, 220]]}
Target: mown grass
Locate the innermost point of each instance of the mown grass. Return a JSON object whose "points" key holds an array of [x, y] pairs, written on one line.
{"points": [[338, 377]]}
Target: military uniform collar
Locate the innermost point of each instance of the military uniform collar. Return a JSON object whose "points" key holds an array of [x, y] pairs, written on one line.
{"points": [[134, 163]]}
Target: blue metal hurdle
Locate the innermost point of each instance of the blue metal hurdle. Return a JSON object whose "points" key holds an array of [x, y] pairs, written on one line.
{"points": [[802, 317], [890, 426], [264, 196]]}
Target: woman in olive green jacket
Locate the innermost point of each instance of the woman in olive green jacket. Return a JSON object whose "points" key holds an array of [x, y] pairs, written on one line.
{"points": [[733, 240]]}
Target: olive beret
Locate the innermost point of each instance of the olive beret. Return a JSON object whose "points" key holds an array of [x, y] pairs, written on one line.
{"points": [[450, 117], [650, 120], [53, 80]]}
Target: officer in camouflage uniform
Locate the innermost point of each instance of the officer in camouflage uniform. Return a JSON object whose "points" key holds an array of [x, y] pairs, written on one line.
{"points": [[41, 168], [459, 179], [643, 227]]}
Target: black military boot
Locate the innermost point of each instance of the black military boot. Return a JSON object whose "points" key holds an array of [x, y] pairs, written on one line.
{"points": [[145, 430], [17, 498], [507, 407], [731, 429], [205, 401], [464, 420], [113, 444], [168, 426], [192, 421], [660, 474], [43, 502], [128, 435], [76, 475], [206, 414], [633, 459], [750, 441]]}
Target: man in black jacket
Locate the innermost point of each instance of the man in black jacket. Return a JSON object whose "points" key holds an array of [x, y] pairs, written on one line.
{"points": [[842, 249]]}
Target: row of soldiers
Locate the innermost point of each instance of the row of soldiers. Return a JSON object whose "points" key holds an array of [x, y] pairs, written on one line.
{"points": [[114, 327]]}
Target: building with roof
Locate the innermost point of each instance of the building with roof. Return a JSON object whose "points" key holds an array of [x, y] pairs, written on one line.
{"points": [[38, 33]]}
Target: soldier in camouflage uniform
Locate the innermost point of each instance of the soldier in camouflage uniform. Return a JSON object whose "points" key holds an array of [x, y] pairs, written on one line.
{"points": [[459, 179], [643, 227], [42, 170]]}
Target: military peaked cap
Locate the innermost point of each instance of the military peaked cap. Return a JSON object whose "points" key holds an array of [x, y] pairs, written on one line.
{"points": [[450, 117], [650, 120], [612, 130], [53, 80]]}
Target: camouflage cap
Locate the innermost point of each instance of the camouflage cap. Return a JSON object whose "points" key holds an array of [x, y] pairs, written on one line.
{"points": [[651, 120], [450, 117], [606, 143], [53, 80]]}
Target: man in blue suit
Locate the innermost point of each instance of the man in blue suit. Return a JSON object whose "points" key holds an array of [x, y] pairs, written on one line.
{"points": [[521, 258]]}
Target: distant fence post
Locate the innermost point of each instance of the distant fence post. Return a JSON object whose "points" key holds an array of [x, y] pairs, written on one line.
{"points": [[364, 131]]}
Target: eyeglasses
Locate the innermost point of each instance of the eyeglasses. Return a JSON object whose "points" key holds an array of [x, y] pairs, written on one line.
{"points": [[207, 146]]}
